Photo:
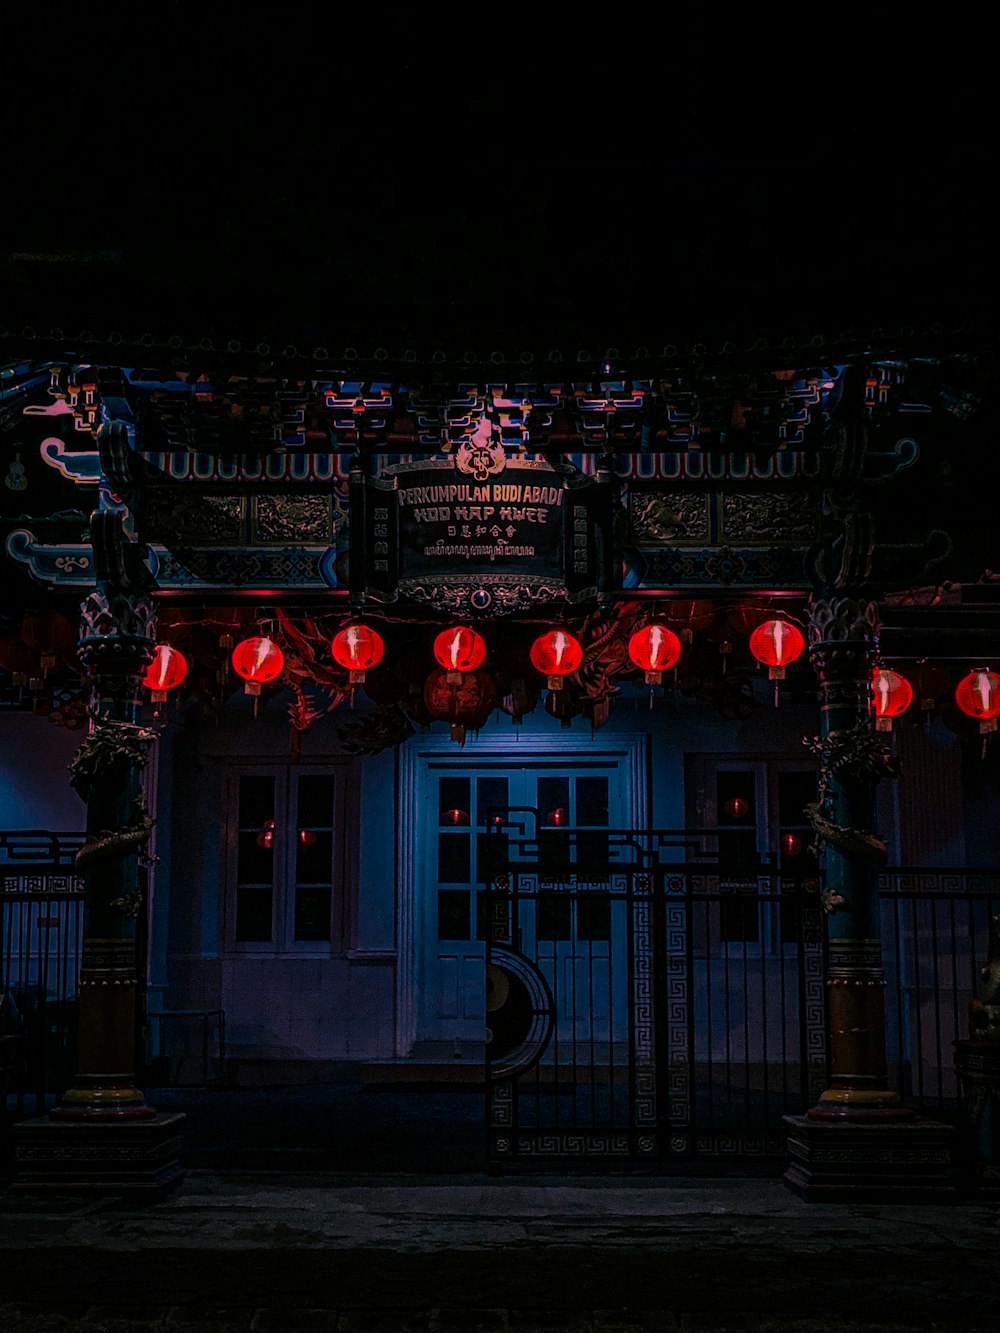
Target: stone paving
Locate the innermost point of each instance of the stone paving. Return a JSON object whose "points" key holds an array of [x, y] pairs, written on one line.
{"points": [[270, 1251]]}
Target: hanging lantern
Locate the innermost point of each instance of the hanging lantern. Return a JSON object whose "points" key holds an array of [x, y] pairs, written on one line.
{"points": [[51, 635], [556, 654], [465, 704], [978, 696], [166, 671], [654, 648], [687, 616], [459, 649], [776, 643], [258, 661], [892, 694], [357, 648]]}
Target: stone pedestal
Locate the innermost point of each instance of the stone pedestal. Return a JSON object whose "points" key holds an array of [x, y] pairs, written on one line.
{"points": [[139, 1158], [977, 1064], [852, 1160]]}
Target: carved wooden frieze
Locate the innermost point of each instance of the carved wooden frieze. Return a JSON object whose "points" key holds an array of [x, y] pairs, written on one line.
{"points": [[665, 518], [292, 518], [185, 518], [769, 519]]}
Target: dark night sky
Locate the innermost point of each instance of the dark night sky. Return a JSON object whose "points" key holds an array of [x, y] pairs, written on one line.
{"points": [[248, 169]]}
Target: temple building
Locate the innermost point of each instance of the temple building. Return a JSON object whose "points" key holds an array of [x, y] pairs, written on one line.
{"points": [[619, 726]]}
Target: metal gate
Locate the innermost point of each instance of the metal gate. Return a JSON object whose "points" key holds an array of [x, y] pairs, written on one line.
{"points": [[643, 1005], [41, 937]]}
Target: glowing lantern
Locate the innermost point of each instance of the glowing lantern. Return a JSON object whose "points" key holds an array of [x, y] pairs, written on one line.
{"points": [[654, 648], [776, 643], [166, 671], [258, 661], [893, 695], [459, 649], [356, 648], [556, 654], [265, 838], [737, 807], [978, 695]]}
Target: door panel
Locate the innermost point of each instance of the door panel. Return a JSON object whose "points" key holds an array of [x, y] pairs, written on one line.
{"points": [[465, 806]]}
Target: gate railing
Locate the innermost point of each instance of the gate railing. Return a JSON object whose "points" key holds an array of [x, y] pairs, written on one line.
{"points": [[41, 937], [647, 1000], [935, 933]]}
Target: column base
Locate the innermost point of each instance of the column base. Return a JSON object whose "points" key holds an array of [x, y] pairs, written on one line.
{"points": [[977, 1064], [138, 1158], [889, 1160]]}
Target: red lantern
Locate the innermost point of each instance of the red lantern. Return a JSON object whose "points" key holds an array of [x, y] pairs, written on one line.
{"points": [[556, 654], [166, 671], [459, 649], [356, 648], [258, 661], [654, 648], [776, 643], [689, 616], [978, 695], [893, 695], [465, 703]]}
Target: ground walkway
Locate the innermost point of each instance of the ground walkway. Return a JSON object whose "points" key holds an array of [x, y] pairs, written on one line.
{"points": [[425, 1254]]}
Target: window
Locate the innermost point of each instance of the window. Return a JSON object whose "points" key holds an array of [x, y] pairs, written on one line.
{"points": [[763, 843], [288, 859]]}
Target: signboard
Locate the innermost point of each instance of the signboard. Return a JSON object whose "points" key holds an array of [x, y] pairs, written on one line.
{"points": [[502, 536]]}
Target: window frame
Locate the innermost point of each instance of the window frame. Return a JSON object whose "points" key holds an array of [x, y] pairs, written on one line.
{"points": [[701, 784], [282, 943]]}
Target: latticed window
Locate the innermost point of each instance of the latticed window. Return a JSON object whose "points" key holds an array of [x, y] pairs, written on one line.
{"points": [[287, 855]]}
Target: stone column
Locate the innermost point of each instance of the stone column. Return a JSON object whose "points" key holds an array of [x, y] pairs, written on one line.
{"points": [[116, 646], [103, 1136], [843, 642], [859, 1141]]}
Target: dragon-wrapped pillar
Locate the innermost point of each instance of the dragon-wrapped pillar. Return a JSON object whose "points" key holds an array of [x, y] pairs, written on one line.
{"points": [[116, 646], [859, 1140], [843, 641], [103, 1135]]}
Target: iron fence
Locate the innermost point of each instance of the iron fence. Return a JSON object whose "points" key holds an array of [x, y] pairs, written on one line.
{"points": [[646, 1006], [41, 938]]}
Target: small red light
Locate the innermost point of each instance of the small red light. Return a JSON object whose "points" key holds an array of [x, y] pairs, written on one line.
{"points": [[455, 816], [556, 817], [791, 844], [737, 807], [307, 837], [265, 838]]}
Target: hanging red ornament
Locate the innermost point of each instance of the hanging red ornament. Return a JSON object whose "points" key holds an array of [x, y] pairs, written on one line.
{"points": [[357, 648], [655, 649], [465, 703], [459, 649], [687, 616], [166, 671], [259, 661], [51, 634], [978, 695], [556, 654], [776, 643], [892, 694]]}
